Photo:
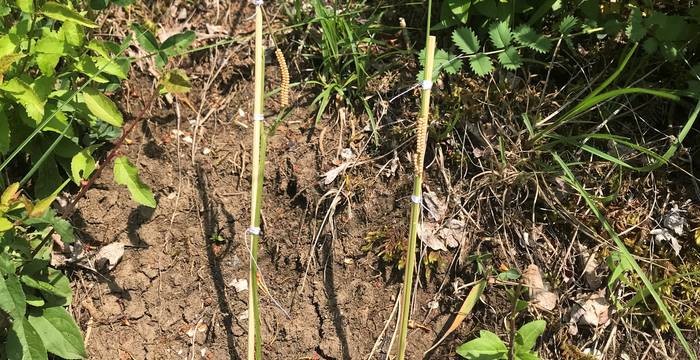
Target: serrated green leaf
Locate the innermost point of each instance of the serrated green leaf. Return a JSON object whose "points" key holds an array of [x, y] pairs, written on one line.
{"points": [[176, 82], [510, 59], [526, 336], [567, 24], [82, 165], [61, 12], [481, 64], [126, 174], [25, 95], [466, 40], [58, 331], [525, 35], [12, 299], [178, 43], [62, 228], [24, 343], [668, 27], [102, 107], [500, 34], [486, 347], [6, 62]]}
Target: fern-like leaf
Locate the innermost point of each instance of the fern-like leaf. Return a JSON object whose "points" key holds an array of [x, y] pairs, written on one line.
{"points": [[525, 35]]}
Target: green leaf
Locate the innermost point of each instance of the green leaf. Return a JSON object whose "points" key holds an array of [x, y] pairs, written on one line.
{"points": [[5, 224], [481, 64], [12, 299], [525, 35], [62, 228], [50, 43], [47, 63], [526, 336], [466, 40], [99, 4], [567, 24], [442, 61], [61, 12], [126, 174], [26, 5], [59, 332], [145, 38], [526, 356], [9, 194], [650, 45], [4, 133], [460, 9], [486, 347], [42, 205], [24, 343], [500, 34], [102, 107], [116, 67], [35, 300], [82, 165], [176, 82], [510, 59], [25, 95], [6, 62], [178, 43], [636, 30], [72, 33], [86, 65]]}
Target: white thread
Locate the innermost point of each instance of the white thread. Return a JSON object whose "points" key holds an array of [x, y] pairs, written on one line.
{"points": [[416, 199], [258, 117], [427, 84], [253, 230], [258, 2]]}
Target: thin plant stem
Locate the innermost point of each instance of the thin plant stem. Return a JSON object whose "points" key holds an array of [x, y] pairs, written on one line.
{"points": [[421, 135], [257, 174]]}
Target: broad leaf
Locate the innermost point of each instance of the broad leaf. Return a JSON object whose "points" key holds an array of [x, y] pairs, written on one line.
{"points": [[47, 63], [26, 5], [145, 38], [486, 347], [72, 33], [178, 43], [7, 60], [176, 82], [12, 299], [481, 64], [126, 174], [116, 67], [102, 107], [87, 66], [24, 343], [466, 40], [59, 332], [62, 228], [510, 59], [500, 34], [82, 165], [41, 206], [4, 133], [460, 9], [526, 336], [25, 95], [61, 12], [9, 194], [636, 30], [5, 224]]}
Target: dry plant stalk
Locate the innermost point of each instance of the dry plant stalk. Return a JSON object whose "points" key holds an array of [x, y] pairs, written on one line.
{"points": [[421, 137], [284, 85], [257, 174]]}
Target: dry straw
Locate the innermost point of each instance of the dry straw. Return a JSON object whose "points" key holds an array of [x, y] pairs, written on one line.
{"points": [[421, 138]]}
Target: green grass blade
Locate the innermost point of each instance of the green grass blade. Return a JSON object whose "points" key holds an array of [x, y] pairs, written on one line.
{"points": [[625, 254]]}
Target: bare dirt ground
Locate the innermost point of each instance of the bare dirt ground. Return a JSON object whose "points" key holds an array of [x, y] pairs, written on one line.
{"points": [[174, 294]]}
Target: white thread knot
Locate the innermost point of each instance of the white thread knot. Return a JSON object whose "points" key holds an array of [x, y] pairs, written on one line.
{"points": [[258, 117], [258, 2], [426, 84], [253, 230], [416, 199]]}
